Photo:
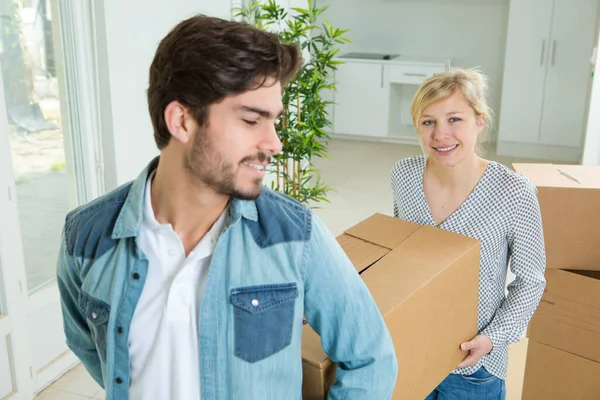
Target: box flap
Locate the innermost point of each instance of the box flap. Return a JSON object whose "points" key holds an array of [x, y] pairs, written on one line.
{"points": [[568, 197], [579, 287], [570, 219], [569, 331], [551, 373], [575, 314], [312, 351], [362, 254], [568, 316], [383, 230], [588, 274], [413, 264], [567, 176]]}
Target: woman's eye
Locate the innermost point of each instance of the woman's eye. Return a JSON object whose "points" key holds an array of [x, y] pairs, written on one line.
{"points": [[428, 123], [455, 119]]}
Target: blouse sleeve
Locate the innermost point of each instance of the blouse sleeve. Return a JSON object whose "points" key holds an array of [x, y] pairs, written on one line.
{"points": [[528, 262]]}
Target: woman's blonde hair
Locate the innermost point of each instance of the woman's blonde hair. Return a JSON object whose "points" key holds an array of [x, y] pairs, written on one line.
{"points": [[471, 83]]}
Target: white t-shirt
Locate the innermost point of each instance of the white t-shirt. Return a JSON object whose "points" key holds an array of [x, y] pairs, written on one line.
{"points": [[163, 338]]}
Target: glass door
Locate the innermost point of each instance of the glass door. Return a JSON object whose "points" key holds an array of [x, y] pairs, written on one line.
{"points": [[15, 354], [48, 166]]}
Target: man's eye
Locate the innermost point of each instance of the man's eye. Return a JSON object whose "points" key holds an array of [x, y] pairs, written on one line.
{"points": [[249, 122]]}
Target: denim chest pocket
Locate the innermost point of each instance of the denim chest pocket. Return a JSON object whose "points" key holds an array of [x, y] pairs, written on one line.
{"points": [[263, 319], [96, 313]]}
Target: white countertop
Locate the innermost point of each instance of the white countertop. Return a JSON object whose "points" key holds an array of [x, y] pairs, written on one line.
{"points": [[401, 59]]}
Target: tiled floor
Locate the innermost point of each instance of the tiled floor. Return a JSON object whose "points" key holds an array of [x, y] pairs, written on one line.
{"points": [[77, 384], [359, 173]]}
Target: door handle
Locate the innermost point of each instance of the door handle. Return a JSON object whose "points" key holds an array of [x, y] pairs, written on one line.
{"points": [[553, 51], [382, 76], [542, 55], [415, 74]]}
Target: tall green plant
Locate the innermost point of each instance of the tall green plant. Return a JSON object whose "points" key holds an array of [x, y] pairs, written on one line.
{"points": [[302, 126]]}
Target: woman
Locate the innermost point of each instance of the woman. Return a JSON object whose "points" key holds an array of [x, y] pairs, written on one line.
{"points": [[453, 188]]}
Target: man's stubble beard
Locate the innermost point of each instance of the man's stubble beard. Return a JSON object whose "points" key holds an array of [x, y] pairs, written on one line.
{"points": [[210, 167]]}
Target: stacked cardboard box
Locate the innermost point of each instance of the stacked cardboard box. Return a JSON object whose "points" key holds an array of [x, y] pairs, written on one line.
{"points": [[563, 358], [425, 283]]}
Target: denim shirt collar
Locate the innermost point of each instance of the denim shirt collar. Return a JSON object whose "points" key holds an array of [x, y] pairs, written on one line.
{"points": [[131, 215]]}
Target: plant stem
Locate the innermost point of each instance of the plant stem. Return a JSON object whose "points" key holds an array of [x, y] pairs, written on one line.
{"points": [[299, 115], [285, 167], [297, 176], [277, 187], [294, 187], [286, 174]]}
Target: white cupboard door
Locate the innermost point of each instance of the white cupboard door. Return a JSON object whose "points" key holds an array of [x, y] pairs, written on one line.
{"points": [[569, 69], [362, 99], [527, 50]]}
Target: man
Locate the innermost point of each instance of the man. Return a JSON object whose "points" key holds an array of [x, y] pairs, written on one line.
{"points": [[192, 281]]}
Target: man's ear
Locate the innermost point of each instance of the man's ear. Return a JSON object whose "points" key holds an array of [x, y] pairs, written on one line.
{"points": [[176, 122]]}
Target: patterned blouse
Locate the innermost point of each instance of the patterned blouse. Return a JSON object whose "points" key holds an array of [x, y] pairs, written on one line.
{"points": [[503, 213]]}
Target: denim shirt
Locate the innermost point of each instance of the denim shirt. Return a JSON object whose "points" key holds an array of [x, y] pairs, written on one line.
{"points": [[274, 263]]}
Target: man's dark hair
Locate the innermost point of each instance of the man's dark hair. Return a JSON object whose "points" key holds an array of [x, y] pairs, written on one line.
{"points": [[204, 59]]}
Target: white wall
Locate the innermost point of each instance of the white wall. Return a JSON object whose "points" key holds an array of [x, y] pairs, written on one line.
{"points": [[469, 32], [591, 149], [125, 49], [127, 34]]}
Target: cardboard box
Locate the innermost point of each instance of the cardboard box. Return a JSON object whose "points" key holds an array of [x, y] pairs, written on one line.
{"points": [[425, 282], [569, 197], [568, 317], [317, 369], [553, 374]]}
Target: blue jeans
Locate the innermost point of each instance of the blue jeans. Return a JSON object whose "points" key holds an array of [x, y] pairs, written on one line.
{"points": [[481, 385]]}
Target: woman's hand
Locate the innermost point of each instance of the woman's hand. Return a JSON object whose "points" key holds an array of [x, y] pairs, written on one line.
{"points": [[478, 347]]}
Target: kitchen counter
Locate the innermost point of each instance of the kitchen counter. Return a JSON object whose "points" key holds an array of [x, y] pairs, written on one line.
{"points": [[388, 83], [394, 59]]}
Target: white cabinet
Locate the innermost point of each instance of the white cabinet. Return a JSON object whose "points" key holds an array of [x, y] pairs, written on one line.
{"points": [[569, 72], [525, 70], [361, 100], [546, 78], [373, 97], [412, 74]]}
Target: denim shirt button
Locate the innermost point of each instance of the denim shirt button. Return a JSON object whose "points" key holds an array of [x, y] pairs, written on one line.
{"points": [[255, 302], [94, 315]]}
